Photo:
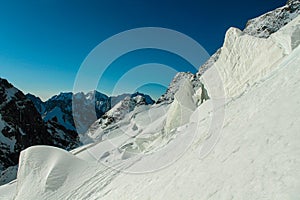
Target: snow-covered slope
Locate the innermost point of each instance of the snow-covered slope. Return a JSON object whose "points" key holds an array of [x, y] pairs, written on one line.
{"points": [[119, 115], [262, 27], [153, 152], [248, 59], [257, 156]]}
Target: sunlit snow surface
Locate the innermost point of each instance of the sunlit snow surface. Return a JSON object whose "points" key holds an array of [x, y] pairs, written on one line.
{"points": [[153, 155]]}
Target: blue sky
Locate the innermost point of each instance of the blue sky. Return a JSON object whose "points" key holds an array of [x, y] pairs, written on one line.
{"points": [[44, 42]]}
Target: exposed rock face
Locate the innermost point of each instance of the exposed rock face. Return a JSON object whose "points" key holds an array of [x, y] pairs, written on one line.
{"points": [[123, 107], [180, 77], [264, 25], [59, 107], [111, 118], [88, 108], [21, 126]]}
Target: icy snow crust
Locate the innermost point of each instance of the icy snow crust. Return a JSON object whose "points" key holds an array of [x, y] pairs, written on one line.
{"points": [[257, 156]]}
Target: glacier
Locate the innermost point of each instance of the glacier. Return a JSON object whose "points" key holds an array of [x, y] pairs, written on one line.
{"points": [[153, 152]]}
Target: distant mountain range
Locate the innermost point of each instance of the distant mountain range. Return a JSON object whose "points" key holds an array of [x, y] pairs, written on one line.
{"points": [[59, 108], [22, 126], [25, 120]]}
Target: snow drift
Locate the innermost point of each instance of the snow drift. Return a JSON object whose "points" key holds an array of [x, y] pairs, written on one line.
{"points": [[256, 157]]}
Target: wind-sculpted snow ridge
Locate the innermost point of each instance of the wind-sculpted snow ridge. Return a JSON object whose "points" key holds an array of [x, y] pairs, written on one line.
{"points": [[248, 59], [262, 27], [152, 152]]}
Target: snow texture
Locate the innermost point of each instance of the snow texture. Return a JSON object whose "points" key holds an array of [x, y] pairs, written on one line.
{"points": [[257, 156]]}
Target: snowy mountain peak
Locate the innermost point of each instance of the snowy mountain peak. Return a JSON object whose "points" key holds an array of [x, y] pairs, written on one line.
{"points": [[21, 126], [264, 25], [8, 91], [125, 106], [88, 106], [293, 3], [117, 113], [59, 107], [61, 96], [142, 99], [38, 103], [177, 81], [231, 36]]}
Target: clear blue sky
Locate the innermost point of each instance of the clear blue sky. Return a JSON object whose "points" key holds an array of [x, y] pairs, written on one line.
{"points": [[44, 42]]}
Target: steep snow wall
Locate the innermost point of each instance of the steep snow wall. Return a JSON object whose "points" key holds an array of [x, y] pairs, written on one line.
{"points": [[245, 59], [182, 107]]}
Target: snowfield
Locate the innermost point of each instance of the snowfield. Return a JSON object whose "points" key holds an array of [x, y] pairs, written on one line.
{"points": [[154, 151]]}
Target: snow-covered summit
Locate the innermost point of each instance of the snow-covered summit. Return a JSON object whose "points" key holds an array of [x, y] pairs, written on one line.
{"points": [[88, 106], [38, 103], [264, 25], [59, 107], [117, 113], [168, 96]]}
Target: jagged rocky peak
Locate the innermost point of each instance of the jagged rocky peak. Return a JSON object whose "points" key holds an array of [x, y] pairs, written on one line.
{"points": [[38, 103], [59, 108], [21, 126], [111, 119], [264, 25], [180, 77], [85, 108], [125, 106], [142, 99], [62, 96], [293, 2]]}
